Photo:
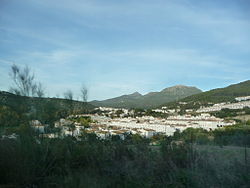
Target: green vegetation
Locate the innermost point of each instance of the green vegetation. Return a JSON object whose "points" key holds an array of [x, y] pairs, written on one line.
{"points": [[237, 135], [226, 94], [231, 112], [141, 112], [83, 120], [8, 117], [46, 110], [32, 161]]}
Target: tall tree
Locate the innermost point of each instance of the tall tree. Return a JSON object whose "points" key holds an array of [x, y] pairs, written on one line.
{"points": [[84, 94], [40, 90], [24, 83], [68, 95]]}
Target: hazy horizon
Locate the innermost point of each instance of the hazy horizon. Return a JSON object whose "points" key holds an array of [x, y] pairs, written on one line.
{"points": [[116, 48]]}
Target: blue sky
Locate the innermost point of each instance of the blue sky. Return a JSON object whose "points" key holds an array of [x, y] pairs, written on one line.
{"points": [[119, 47]]}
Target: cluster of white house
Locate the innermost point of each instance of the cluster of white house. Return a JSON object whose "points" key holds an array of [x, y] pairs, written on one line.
{"points": [[70, 128], [241, 103], [65, 128], [109, 110], [105, 131], [166, 126], [245, 98], [166, 111], [146, 126], [220, 106], [125, 112]]}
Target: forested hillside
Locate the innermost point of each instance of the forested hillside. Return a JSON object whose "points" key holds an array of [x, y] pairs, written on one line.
{"points": [[43, 109]]}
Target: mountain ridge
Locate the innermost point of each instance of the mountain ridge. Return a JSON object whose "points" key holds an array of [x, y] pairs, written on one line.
{"points": [[149, 100]]}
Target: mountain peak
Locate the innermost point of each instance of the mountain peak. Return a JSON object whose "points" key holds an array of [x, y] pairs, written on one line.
{"points": [[135, 94], [177, 87], [180, 86]]}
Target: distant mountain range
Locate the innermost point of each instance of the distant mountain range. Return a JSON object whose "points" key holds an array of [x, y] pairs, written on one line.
{"points": [[150, 100]]}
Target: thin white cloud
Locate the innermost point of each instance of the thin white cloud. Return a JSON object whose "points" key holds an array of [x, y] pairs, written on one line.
{"points": [[6, 62], [219, 24]]}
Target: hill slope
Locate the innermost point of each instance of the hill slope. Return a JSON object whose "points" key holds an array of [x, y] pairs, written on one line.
{"points": [[150, 100], [32, 103], [219, 95]]}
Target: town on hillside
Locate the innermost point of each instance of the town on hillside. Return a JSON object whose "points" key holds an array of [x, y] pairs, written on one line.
{"points": [[105, 121]]}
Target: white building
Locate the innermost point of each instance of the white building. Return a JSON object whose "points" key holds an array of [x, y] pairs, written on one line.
{"points": [[37, 126], [242, 98]]}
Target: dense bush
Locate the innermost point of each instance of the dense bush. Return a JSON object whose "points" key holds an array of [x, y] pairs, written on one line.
{"points": [[31, 161], [9, 117]]}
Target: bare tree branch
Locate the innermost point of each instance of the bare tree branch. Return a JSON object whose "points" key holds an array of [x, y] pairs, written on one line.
{"points": [[68, 95], [40, 90], [84, 93], [24, 83]]}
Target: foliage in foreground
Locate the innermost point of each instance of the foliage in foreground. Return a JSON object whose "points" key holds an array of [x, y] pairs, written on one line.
{"points": [[31, 161]]}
